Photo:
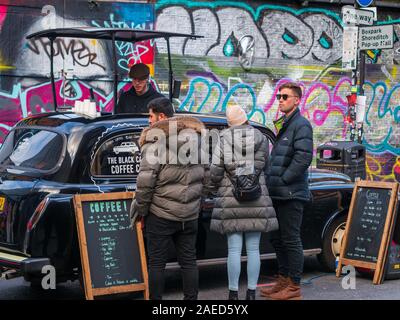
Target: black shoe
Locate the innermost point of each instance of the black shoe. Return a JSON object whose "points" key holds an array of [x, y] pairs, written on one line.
{"points": [[233, 295], [251, 294]]}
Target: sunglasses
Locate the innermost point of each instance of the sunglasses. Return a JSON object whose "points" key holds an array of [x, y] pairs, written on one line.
{"points": [[283, 96]]}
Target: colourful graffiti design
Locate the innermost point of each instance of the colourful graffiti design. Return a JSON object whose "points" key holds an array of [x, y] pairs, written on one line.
{"points": [[130, 53], [279, 32]]}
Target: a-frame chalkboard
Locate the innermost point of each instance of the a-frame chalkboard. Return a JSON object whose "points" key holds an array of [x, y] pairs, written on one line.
{"points": [[369, 227], [112, 254]]}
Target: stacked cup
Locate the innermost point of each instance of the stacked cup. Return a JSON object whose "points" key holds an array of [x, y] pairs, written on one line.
{"points": [[86, 108]]}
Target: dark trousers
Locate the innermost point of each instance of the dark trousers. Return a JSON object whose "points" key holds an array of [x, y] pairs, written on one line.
{"points": [[287, 240], [159, 232]]}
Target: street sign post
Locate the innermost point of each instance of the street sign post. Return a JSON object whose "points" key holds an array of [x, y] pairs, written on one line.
{"points": [[376, 37]]}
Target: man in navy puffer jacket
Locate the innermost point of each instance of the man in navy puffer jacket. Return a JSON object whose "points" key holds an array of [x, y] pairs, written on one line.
{"points": [[287, 182]]}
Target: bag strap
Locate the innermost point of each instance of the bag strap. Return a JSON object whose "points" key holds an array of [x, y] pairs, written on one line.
{"points": [[233, 179]]}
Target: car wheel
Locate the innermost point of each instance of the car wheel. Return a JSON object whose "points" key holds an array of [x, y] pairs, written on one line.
{"points": [[332, 242]]}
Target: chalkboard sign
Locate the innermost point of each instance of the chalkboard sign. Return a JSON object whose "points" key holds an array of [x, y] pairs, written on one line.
{"points": [[112, 254], [369, 226]]}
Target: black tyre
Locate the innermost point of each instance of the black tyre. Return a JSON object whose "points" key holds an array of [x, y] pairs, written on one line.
{"points": [[332, 242]]}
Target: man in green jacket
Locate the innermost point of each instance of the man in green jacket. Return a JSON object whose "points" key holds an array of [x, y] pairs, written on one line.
{"points": [[168, 195]]}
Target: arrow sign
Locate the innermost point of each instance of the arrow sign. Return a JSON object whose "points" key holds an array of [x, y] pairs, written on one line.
{"points": [[356, 16]]}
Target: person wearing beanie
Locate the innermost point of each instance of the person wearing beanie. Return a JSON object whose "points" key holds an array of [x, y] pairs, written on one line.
{"points": [[236, 116], [241, 220], [136, 99]]}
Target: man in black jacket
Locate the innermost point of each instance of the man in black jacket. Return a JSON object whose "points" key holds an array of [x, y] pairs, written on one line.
{"points": [[287, 182], [136, 99]]}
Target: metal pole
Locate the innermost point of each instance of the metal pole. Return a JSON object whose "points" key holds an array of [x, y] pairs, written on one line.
{"points": [[53, 84], [170, 79], [360, 88], [115, 72]]}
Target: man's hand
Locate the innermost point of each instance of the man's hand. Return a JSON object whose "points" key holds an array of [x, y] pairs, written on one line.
{"points": [[134, 215]]}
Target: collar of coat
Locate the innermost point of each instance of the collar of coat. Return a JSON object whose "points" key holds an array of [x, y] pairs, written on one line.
{"points": [[181, 123], [283, 121]]}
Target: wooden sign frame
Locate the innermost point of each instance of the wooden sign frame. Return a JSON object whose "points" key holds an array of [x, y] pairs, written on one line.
{"points": [[90, 292], [387, 231]]}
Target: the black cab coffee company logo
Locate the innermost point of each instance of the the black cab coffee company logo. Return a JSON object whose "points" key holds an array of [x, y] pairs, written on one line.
{"points": [[125, 159], [116, 155]]}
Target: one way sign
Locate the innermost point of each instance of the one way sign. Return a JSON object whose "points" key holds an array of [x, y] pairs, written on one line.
{"points": [[357, 17]]}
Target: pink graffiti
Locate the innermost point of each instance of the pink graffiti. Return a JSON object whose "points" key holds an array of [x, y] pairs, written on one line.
{"points": [[3, 14], [40, 98], [334, 103]]}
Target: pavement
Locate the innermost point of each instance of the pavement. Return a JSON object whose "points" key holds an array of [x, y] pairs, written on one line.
{"points": [[315, 285], [213, 283]]}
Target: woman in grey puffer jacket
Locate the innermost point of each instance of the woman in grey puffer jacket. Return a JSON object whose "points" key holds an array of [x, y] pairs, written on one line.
{"points": [[235, 218]]}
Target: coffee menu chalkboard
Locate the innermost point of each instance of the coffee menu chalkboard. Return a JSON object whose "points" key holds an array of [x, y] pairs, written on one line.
{"points": [[370, 214], [112, 254], [369, 226]]}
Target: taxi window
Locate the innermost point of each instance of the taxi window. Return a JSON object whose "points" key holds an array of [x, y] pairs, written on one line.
{"points": [[32, 149], [118, 156]]}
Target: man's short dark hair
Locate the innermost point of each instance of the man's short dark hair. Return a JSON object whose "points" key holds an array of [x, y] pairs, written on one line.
{"points": [[161, 105], [293, 86]]}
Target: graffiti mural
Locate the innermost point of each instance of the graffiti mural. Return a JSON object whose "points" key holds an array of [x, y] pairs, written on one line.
{"points": [[81, 66], [249, 49], [278, 32]]}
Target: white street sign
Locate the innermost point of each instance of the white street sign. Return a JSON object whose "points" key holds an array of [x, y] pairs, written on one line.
{"points": [[349, 58], [374, 10], [357, 16], [379, 37]]}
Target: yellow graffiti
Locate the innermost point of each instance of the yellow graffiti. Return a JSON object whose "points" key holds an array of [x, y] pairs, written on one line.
{"points": [[375, 171], [3, 67]]}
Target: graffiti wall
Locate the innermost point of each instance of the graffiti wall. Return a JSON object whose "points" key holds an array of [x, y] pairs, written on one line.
{"points": [[248, 49], [81, 67]]}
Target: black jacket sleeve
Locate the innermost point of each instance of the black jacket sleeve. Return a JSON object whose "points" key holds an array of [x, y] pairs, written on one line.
{"points": [[303, 153], [119, 106]]}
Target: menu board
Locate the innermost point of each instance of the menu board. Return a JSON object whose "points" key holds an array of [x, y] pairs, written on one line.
{"points": [[369, 226], [366, 230], [112, 253]]}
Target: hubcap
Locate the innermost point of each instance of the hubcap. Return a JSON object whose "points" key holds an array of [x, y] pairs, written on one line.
{"points": [[337, 238]]}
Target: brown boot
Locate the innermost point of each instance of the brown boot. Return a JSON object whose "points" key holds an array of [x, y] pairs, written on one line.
{"points": [[291, 292], [279, 285]]}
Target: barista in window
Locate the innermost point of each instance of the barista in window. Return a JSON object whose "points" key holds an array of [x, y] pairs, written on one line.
{"points": [[135, 100]]}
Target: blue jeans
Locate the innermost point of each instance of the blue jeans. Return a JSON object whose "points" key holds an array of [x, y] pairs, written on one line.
{"points": [[235, 242]]}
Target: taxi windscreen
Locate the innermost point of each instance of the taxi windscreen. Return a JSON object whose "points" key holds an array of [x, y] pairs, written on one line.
{"points": [[32, 149]]}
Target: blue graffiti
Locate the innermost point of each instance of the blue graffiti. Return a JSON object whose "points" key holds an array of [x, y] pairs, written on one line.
{"points": [[207, 88]]}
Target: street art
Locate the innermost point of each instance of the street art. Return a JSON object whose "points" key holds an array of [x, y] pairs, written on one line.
{"points": [[129, 53], [249, 49], [82, 67], [278, 32], [79, 52]]}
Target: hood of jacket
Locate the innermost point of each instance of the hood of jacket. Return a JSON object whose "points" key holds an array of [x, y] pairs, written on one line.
{"points": [[171, 126]]}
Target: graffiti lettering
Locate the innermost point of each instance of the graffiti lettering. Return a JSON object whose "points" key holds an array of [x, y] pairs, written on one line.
{"points": [[77, 49], [278, 32]]}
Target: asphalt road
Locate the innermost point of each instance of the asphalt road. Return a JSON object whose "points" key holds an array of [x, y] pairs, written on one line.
{"points": [[316, 285]]}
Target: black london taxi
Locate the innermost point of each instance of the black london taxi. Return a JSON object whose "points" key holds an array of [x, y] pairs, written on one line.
{"points": [[47, 158]]}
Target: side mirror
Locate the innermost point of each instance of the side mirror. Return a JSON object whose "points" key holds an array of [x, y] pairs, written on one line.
{"points": [[176, 89]]}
